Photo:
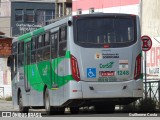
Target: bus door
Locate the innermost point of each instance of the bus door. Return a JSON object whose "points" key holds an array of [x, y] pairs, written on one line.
{"points": [[59, 42], [14, 78], [54, 54], [27, 63]]}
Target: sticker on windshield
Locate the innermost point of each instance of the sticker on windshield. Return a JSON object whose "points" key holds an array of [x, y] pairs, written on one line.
{"points": [[91, 72]]}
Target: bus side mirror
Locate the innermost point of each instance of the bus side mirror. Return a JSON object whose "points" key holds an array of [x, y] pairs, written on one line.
{"points": [[9, 61]]}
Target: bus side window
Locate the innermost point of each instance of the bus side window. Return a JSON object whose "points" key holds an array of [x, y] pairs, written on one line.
{"points": [[33, 52], [63, 41], [40, 41], [28, 48], [46, 49], [13, 60], [47, 40], [20, 54], [40, 44], [54, 41]]}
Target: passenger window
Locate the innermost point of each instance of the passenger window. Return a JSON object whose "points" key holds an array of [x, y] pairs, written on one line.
{"points": [[47, 40], [20, 54], [34, 43], [33, 56], [46, 48], [20, 47], [39, 55], [63, 41], [46, 53], [20, 60], [54, 41], [40, 41], [28, 48]]}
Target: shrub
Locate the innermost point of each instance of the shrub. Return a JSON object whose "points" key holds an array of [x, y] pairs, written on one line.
{"points": [[147, 105], [129, 108], [8, 98]]}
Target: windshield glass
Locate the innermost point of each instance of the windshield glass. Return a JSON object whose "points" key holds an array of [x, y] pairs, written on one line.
{"points": [[105, 30]]}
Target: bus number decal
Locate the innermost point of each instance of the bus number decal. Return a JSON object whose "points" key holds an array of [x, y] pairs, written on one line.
{"points": [[121, 72]]}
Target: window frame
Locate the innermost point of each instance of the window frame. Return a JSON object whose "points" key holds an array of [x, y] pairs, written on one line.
{"points": [[111, 45], [17, 15], [33, 50], [42, 17], [62, 40], [54, 44], [21, 53], [30, 15]]}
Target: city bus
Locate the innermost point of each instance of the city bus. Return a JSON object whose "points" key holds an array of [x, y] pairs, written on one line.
{"points": [[83, 60]]}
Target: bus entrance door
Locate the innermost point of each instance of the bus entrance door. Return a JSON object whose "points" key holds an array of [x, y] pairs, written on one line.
{"points": [[26, 68]]}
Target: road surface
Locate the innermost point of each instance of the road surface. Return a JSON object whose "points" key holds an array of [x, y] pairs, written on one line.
{"points": [[6, 106]]}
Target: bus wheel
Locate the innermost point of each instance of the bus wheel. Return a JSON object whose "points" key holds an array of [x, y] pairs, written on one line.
{"points": [[49, 109], [60, 110], [22, 109], [105, 108], [74, 110]]}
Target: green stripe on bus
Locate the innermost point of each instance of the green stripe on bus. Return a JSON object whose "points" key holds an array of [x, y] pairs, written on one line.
{"points": [[24, 36], [42, 73], [29, 35], [28, 39], [38, 31]]}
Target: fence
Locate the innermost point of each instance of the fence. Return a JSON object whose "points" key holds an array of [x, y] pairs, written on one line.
{"points": [[153, 91], [1, 92]]}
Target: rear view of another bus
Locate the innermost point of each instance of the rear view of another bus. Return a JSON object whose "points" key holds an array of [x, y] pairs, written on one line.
{"points": [[106, 59]]}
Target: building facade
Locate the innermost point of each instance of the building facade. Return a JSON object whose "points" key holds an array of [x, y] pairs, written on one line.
{"points": [[5, 13], [63, 8], [20, 16], [106, 6], [28, 16], [5, 8], [5, 74]]}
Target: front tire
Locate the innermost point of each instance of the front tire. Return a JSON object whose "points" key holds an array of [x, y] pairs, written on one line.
{"points": [[22, 109]]}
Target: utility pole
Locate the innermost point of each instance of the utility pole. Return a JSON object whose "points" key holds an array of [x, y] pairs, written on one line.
{"points": [[145, 77], [146, 45]]}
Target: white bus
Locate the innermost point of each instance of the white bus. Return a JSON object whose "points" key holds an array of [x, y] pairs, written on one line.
{"points": [[83, 60]]}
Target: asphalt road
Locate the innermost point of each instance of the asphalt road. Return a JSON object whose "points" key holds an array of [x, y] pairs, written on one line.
{"points": [[6, 106]]}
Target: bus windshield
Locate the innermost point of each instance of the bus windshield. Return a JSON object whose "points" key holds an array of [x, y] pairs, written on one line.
{"points": [[106, 30]]}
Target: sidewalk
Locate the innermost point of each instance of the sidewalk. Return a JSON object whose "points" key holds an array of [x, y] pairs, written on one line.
{"points": [[6, 105]]}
